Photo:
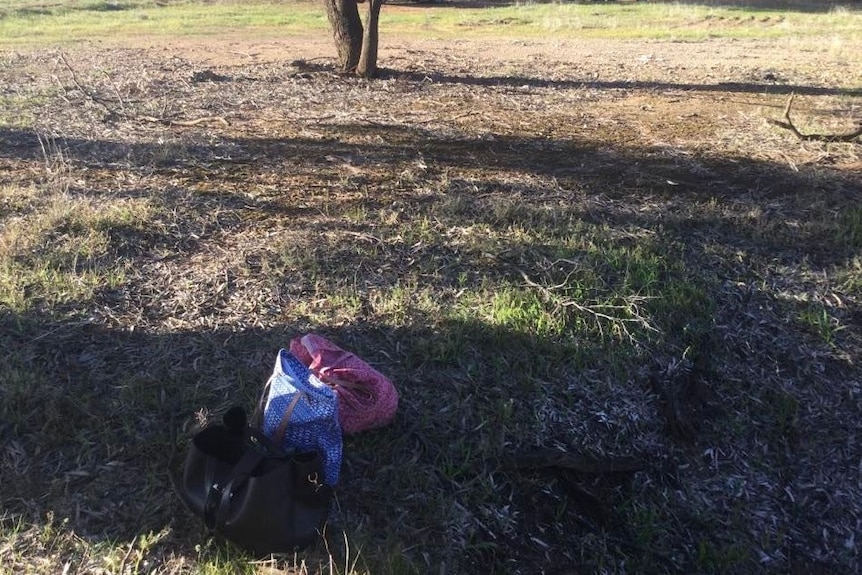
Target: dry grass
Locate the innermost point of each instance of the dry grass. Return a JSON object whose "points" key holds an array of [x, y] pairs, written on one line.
{"points": [[641, 271]]}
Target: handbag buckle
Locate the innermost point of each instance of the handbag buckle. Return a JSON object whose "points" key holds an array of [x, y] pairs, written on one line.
{"points": [[211, 504], [314, 480]]}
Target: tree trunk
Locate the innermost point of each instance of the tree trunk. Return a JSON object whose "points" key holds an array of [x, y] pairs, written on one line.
{"points": [[346, 25], [368, 61]]}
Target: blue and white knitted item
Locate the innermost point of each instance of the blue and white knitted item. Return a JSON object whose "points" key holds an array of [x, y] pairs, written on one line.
{"points": [[313, 424]]}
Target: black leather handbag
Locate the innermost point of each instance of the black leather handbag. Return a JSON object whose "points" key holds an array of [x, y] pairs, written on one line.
{"points": [[250, 491]]}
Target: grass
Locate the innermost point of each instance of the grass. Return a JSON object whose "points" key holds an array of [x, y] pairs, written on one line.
{"points": [[552, 273], [33, 23]]}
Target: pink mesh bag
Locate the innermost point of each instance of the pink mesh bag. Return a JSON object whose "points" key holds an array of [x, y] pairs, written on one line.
{"points": [[366, 398]]}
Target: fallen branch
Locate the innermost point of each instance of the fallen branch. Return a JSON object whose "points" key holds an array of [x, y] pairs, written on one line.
{"points": [[95, 98], [195, 122], [789, 125], [108, 106], [597, 311]]}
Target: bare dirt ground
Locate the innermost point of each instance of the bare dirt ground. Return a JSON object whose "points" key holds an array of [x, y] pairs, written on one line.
{"points": [[654, 140]]}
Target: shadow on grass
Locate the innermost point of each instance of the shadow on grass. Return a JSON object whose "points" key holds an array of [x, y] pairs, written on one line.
{"points": [[521, 82], [93, 418], [91, 406], [532, 82], [763, 208]]}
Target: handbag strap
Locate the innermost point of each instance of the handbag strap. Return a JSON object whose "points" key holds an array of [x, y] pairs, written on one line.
{"points": [[278, 436], [257, 417], [285, 418], [217, 503], [218, 498]]}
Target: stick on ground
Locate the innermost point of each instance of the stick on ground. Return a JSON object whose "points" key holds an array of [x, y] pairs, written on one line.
{"points": [[789, 125]]}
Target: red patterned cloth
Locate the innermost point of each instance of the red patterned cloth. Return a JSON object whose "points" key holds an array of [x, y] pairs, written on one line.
{"points": [[366, 398]]}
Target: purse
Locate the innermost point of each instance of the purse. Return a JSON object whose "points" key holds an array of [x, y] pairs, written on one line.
{"points": [[366, 398], [251, 491], [313, 405]]}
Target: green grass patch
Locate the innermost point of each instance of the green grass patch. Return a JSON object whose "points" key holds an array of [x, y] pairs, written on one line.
{"points": [[622, 21], [849, 277], [849, 232], [17, 111], [24, 22], [63, 23], [57, 248], [55, 258], [817, 318], [524, 312]]}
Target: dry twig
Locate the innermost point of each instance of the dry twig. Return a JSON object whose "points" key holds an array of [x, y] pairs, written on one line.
{"points": [[789, 125], [195, 122], [122, 113], [93, 97], [594, 310]]}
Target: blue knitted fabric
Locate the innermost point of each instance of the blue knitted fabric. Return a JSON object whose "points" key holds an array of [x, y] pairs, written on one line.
{"points": [[313, 423]]}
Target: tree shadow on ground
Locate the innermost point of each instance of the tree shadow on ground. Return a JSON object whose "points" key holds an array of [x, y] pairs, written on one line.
{"points": [[99, 419], [766, 87], [95, 418], [578, 181], [92, 406], [532, 82]]}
